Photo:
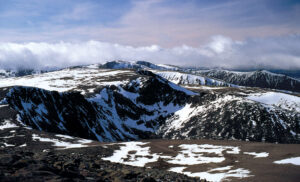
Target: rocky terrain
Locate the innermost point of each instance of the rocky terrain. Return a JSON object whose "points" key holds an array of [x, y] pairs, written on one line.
{"points": [[45, 118], [32, 155], [122, 105]]}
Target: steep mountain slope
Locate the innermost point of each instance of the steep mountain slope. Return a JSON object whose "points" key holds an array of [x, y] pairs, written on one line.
{"points": [[262, 79], [190, 79], [118, 112], [118, 105], [168, 72], [236, 116]]}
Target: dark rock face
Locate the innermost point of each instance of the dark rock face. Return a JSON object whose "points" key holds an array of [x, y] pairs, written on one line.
{"points": [[65, 113], [262, 79], [120, 65], [236, 119], [118, 114]]}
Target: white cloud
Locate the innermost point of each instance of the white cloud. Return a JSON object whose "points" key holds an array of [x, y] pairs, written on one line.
{"points": [[273, 52]]}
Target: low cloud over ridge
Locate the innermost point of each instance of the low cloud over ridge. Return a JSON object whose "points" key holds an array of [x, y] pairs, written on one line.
{"points": [[263, 53]]}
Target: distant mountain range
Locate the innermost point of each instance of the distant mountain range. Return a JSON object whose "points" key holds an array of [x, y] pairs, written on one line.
{"points": [[181, 75], [262, 79]]}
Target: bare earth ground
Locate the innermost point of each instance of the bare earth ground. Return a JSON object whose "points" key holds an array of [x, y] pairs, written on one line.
{"points": [[261, 169]]}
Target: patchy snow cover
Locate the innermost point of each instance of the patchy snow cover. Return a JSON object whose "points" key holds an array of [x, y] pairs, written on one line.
{"points": [[192, 154], [258, 78], [67, 79], [180, 117], [64, 136], [7, 124], [137, 154], [8, 145], [293, 160], [214, 176], [284, 101], [184, 78], [168, 67], [134, 154], [257, 155], [204, 87], [182, 89], [62, 144], [183, 115], [23, 145]]}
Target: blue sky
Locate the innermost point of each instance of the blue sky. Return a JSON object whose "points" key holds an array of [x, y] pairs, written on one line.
{"points": [[163, 24]]}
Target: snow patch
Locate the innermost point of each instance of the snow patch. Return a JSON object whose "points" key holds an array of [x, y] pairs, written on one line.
{"points": [[62, 144], [293, 160], [216, 177], [7, 124], [284, 101], [257, 155], [133, 154], [192, 154]]}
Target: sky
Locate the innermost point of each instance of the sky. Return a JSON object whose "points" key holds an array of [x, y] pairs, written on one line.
{"points": [[230, 34]]}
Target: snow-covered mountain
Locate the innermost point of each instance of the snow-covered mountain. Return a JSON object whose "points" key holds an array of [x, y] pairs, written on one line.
{"points": [[262, 79], [121, 105], [7, 73], [191, 79], [113, 110], [136, 65], [180, 75], [14, 73]]}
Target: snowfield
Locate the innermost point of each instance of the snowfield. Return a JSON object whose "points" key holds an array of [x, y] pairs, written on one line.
{"points": [[68, 79], [190, 79], [284, 101], [293, 160], [212, 175]]}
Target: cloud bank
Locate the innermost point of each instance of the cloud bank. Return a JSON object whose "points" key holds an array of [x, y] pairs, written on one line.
{"points": [[222, 52]]}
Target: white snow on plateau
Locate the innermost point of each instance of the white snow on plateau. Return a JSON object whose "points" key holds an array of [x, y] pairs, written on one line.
{"points": [[257, 155], [293, 160], [284, 101], [215, 177], [185, 78], [7, 124], [64, 136], [137, 154], [62, 144], [140, 156], [204, 87], [66, 80], [192, 154]]}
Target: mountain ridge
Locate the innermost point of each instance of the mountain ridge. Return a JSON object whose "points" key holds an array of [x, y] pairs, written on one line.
{"points": [[138, 104]]}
